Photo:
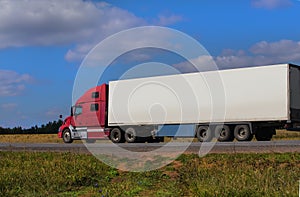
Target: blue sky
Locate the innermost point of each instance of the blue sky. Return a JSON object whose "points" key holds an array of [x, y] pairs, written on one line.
{"points": [[42, 43]]}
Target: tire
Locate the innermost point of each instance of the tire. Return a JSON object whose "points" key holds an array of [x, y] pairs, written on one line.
{"points": [[67, 138], [116, 136], [264, 134], [204, 134], [223, 133], [242, 133], [130, 135]]}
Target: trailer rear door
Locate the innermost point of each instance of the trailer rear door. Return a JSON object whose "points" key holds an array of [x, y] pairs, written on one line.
{"points": [[294, 83]]}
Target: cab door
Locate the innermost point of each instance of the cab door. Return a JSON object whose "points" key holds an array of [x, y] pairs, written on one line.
{"points": [[87, 115], [78, 116], [92, 114]]}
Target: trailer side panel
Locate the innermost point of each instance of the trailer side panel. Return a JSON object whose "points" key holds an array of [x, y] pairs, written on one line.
{"points": [[245, 94]]}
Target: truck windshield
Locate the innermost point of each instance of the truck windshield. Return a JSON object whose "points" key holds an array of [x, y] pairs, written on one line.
{"points": [[76, 110]]}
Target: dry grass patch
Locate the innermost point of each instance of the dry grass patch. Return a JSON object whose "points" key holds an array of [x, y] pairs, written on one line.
{"points": [[287, 135], [30, 138]]}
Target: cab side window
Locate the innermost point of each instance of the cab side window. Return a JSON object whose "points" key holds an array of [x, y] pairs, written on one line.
{"points": [[95, 95], [94, 107], [78, 110]]}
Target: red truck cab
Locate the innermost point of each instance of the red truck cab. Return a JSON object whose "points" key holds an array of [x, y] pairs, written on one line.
{"points": [[88, 117]]}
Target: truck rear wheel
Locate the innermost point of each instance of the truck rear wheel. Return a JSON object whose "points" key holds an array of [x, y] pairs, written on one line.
{"points": [[242, 133], [204, 134], [67, 138], [130, 135], [223, 133], [116, 136]]}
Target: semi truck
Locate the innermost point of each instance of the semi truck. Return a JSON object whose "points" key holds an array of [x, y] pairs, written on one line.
{"points": [[226, 104]]}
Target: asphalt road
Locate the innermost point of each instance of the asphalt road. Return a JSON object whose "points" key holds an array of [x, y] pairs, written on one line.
{"points": [[218, 147]]}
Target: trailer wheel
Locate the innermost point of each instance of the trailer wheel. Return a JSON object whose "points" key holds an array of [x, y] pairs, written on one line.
{"points": [[130, 135], [67, 136], [264, 134], [116, 136], [223, 133], [204, 134], [242, 133]]}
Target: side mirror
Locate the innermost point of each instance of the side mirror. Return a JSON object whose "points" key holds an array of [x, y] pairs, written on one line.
{"points": [[60, 116]]}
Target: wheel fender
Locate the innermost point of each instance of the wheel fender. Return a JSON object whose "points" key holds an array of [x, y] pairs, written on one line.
{"points": [[72, 131]]}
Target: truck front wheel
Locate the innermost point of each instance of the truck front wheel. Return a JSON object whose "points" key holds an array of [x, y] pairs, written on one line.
{"points": [[67, 136], [116, 136]]}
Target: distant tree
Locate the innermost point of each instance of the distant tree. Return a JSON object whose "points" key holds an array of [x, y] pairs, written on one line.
{"points": [[49, 128]]}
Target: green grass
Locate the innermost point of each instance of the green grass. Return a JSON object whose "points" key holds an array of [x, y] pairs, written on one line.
{"points": [[68, 174]]}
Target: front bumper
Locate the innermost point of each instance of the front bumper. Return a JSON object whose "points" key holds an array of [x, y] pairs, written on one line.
{"points": [[59, 134]]}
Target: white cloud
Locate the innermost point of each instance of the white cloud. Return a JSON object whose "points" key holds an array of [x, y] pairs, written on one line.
{"points": [[54, 22], [9, 106], [280, 48], [201, 63], [44, 22], [168, 20], [132, 42], [271, 4], [261, 53], [13, 83], [63, 22], [79, 52], [53, 113]]}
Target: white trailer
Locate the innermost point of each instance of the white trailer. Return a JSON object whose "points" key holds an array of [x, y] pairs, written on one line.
{"points": [[230, 103]]}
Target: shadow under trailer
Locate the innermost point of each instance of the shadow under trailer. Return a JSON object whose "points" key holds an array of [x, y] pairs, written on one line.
{"points": [[226, 105]]}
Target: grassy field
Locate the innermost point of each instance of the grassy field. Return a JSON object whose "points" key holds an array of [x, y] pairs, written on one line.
{"points": [[52, 138], [32, 138], [67, 174], [288, 135]]}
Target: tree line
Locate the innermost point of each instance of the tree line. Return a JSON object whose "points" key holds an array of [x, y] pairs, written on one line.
{"points": [[49, 128]]}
